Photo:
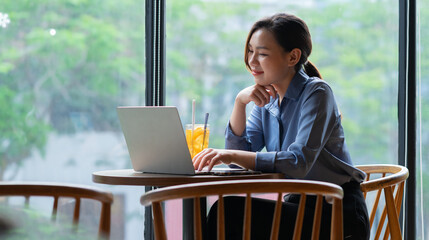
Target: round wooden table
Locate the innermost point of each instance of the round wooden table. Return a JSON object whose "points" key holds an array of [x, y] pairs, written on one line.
{"points": [[130, 177]]}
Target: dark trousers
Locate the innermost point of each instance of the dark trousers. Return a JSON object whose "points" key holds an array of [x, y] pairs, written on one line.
{"points": [[355, 216]]}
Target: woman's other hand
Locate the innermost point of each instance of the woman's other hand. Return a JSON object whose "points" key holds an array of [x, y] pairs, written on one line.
{"points": [[210, 157], [258, 94]]}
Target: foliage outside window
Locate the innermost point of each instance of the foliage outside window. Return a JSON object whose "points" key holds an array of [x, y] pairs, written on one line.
{"points": [[66, 65], [64, 68]]}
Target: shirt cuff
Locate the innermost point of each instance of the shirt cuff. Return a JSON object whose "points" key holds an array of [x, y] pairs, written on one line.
{"points": [[264, 161], [233, 141]]}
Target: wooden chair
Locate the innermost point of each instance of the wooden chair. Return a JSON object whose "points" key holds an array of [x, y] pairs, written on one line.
{"points": [[390, 179], [222, 188], [59, 190]]}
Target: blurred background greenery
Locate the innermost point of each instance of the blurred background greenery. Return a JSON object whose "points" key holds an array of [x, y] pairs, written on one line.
{"points": [[66, 64]]}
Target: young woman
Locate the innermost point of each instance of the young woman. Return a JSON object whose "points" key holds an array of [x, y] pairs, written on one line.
{"points": [[296, 119]]}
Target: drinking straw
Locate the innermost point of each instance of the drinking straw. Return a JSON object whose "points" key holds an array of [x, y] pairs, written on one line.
{"points": [[193, 126], [205, 128]]}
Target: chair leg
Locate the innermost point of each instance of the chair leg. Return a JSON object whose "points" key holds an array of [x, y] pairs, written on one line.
{"points": [[395, 229], [337, 220], [159, 228], [197, 219], [247, 217], [104, 227]]}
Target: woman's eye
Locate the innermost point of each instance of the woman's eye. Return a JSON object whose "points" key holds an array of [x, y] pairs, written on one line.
{"points": [[263, 54]]}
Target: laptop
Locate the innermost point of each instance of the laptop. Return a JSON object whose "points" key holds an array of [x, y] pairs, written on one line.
{"points": [[157, 144]]}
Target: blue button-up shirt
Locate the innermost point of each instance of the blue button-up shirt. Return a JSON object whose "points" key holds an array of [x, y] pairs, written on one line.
{"points": [[303, 136]]}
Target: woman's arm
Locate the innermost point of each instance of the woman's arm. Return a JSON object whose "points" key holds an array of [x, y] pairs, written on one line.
{"points": [[237, 122], [258, 94]]}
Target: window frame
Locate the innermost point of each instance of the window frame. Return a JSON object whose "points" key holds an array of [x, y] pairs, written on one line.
{"points": [[407, 110], [155, 75]]}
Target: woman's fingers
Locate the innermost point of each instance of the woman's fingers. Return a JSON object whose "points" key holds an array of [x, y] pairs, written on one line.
{"points": [[208, 157], [271, 90], [205, 159], [262, 95], [264, 92], [258, 94], [214, 161], [197, 158], [257, 99]]}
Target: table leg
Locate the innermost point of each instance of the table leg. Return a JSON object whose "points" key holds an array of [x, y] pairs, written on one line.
{"points": [[148, 223], [188, 219]]}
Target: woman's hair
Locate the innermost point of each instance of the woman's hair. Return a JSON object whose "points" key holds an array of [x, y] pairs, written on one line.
{"points": [[290, 32]]}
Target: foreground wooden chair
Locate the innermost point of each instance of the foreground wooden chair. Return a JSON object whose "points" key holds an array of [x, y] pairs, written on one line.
{"points": [[58, 190], [390, 179], [222, 188]]}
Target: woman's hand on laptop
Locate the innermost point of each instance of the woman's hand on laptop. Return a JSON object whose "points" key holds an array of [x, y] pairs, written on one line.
{"points": [[210, 157]]}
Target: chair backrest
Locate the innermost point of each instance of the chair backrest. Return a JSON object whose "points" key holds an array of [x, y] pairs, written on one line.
{"points": [[59, 190], [390, 179], [334, 194]]}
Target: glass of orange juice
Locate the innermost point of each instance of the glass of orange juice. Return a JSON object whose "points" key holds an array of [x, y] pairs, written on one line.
{"points": [[197, 142]]}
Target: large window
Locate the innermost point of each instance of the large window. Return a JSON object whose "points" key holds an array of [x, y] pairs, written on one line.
{"points": [[355, 46], [64, 67]]}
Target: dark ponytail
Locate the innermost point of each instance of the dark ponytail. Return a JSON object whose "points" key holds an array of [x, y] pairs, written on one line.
{"points": [[311, 70]]}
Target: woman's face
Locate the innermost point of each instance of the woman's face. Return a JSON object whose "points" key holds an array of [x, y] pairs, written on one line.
{"points": [[268, 61]]}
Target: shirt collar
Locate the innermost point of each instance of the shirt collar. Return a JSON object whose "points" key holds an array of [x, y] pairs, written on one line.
{"points": [[293, 91], [296, 85]]}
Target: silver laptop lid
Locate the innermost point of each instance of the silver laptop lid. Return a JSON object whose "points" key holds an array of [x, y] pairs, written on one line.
{"points": [[156, 140]]}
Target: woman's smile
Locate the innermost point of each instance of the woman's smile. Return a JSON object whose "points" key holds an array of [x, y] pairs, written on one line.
{"points": [[257, 73]]}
